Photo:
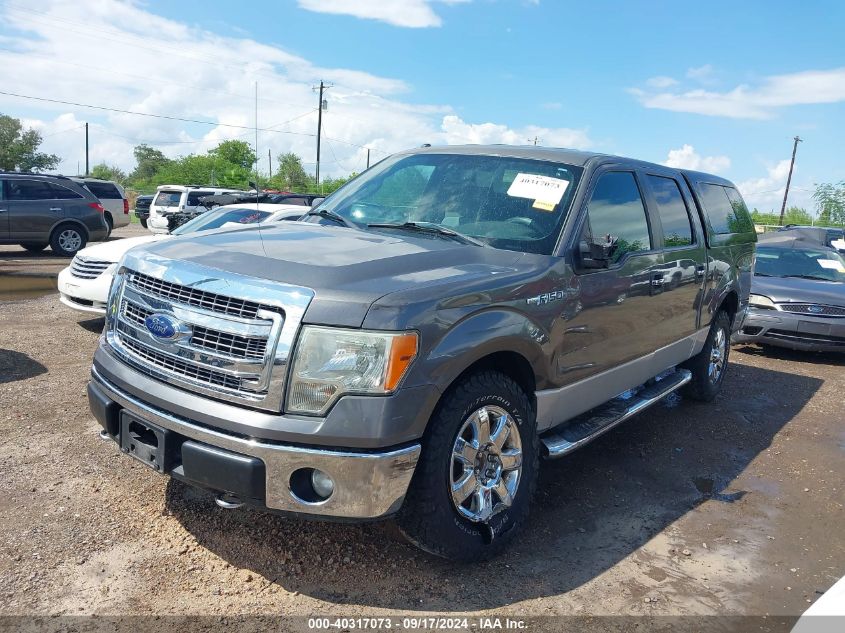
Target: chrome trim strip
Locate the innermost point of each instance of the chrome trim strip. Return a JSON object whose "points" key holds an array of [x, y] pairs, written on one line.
{"points": [[367, 485]]}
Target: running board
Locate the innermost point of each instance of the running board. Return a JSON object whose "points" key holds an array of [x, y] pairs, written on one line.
{"points": [[588, 426]]}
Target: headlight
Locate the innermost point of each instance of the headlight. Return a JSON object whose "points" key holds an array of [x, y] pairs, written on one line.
{"points": [[331, 362], [761, 301]]}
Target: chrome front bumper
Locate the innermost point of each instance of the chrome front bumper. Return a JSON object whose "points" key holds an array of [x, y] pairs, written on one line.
{"points": [[367, 485]]}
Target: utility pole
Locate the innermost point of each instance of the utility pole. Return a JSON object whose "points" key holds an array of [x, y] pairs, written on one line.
{"points": [[368, 158], [256, 136], [270, 161], [321, 105], [789, 178], [86, 149], [535, 140]]}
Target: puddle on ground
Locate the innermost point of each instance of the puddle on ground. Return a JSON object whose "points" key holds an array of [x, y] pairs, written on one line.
{"points": [[20, 287], [710, 488]]}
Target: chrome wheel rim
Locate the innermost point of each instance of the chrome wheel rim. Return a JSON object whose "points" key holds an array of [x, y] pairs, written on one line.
{"points": [[486, 464], [718, 352], [70, 240]]}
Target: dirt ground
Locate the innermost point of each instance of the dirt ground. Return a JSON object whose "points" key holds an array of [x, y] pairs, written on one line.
{"points": [[735, 507]]}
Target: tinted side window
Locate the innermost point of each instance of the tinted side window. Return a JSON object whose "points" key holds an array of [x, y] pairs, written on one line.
{"points": [[677, 229], [104, 190], [725, 209], [194, 197], [616, 213], [30, 190], [62, 193]]}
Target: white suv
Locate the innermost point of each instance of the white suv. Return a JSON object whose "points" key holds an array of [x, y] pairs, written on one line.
{"points": [[177, 199], [113, 198]]}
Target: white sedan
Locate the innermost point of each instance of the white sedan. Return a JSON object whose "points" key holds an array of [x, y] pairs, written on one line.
{"points": [[84, 285]]}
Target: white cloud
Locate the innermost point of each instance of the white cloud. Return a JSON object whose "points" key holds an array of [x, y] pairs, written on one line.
{"points": [[108, 58], [406, 13], [687, 158], [753, 102], [767, 191], [456, 131], [700, 73], [661, 82]]}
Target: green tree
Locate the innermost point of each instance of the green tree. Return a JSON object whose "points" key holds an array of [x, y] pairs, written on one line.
{"points": [[19, 148], [148, 161], [291, 174], [108, 172], [234, 152], [831, 200], [797, 215]]}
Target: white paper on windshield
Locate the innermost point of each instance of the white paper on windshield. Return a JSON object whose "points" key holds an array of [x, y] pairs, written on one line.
{"points": [[541, 188], [831, 264]]}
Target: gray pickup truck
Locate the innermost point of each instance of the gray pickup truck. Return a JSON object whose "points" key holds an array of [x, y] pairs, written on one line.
{"points": [[419, 340]]}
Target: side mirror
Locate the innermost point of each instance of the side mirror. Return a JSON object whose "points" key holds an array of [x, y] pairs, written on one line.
{"points": [[316, 202], [594, 255]]}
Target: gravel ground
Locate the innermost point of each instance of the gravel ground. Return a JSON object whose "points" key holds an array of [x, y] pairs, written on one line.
{"points": [[730, 508]]}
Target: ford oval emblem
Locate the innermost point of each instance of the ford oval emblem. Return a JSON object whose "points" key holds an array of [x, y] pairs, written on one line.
{"points": [[815, 309], [162, 326]]}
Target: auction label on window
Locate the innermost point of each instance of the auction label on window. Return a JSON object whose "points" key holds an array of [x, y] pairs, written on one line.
{"points": [[540, 188], [831, 264]]}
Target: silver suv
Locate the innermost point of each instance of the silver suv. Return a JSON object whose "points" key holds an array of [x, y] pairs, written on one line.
{"points": [[37, 210]]}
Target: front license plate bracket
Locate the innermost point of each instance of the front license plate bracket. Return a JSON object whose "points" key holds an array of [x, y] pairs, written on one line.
{"points": [[148, 443]]}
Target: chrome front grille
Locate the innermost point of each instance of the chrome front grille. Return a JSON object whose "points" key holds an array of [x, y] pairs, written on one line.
{"points": [[197, 298], [84, 268], [813, 309], [228, 336]]}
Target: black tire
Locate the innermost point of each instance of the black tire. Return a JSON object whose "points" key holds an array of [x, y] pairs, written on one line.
{"points": [[143, 222], [705, 385], [429, 518], [109, 223], [35, 247], [67, 239]]}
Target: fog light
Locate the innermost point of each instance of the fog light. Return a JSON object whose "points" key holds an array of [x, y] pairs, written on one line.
{"points": [[323, 484]]}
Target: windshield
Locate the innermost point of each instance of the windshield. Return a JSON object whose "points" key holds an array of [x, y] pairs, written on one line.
{"points": [[217, 218], [510, 203], [793, 262], [168, 198]]}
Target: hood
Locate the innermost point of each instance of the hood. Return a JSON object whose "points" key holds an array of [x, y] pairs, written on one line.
{"points": [[797, 290], [348, 269], [112, 251]]}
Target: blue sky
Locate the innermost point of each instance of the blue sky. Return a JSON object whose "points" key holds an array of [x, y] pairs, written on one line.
{"points": [[723, 88]]}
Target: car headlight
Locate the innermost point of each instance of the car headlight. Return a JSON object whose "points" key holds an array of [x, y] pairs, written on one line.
{"points": [[761, 301], [331, 362]]}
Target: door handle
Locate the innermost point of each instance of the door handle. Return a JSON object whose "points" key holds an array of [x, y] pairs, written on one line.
{"points": [[55, 208], [2, 210], [699, 270]]}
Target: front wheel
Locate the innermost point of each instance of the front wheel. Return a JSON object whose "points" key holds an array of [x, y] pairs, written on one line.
{"points": [[67, 239], [708, 367], [477, 473]]}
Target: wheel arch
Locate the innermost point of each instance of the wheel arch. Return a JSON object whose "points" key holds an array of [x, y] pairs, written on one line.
{"points": [[72, 221]]}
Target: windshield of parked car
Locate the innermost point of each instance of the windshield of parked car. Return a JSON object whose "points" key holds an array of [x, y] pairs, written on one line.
{"points": [[510, 203], [805, 263], [168, 198], [217, 218]]}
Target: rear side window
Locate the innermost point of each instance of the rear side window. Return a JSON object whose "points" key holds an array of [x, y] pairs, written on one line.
{"points": [[616, 213], [104, 190], [725, 209], [38, 190], [674, 216], [194, 197]]}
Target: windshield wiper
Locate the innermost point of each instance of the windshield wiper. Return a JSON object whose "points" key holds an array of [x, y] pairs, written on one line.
{"points": [[427, 227], [330, 215], [810, 277]]}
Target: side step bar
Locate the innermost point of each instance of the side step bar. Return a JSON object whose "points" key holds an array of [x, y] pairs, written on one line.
{"points": [[588, 426]]}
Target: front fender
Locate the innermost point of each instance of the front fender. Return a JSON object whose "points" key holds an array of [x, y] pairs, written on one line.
{"points": [[477, 336]]}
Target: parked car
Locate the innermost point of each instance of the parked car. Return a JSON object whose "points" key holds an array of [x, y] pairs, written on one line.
{"points": [[797, 296], [413, 345], [824, 235], [37, 210], [177, 199], [84, 285], [142, 208], [113, 198]]}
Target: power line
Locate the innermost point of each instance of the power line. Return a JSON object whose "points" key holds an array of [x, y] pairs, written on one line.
{"points": [[154, 116]]}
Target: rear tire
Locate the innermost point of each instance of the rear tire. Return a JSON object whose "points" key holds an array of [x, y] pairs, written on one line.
{"points": [[709, 366], [34, 247], [143, 222], [494, 471], [109, 223], [67, 239]]}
